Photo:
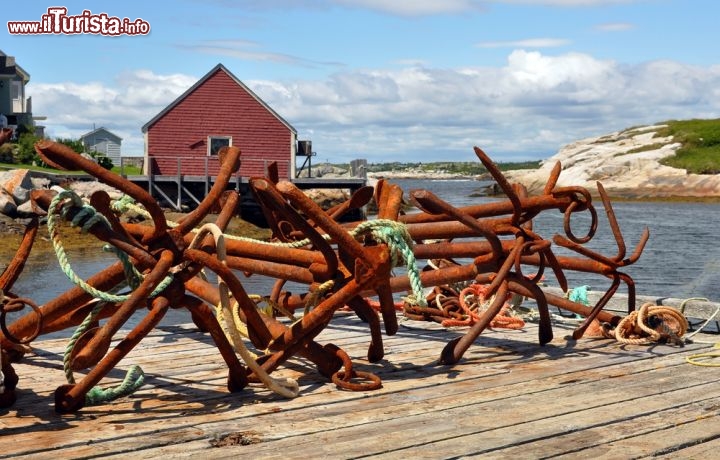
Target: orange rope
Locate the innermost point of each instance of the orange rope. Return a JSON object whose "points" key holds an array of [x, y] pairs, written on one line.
{"points": [[474, 303], [652, 324], [375, 305]]}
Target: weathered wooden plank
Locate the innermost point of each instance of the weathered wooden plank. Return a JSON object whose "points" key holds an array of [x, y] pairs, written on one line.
{"points": [[669, 440], [176, 413], [608, 440], [708, 449], [650, 424], [491, 423], [339, 411]]}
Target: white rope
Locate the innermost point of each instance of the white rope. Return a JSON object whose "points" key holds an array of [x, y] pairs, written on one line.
{"points": [[288, 387]]}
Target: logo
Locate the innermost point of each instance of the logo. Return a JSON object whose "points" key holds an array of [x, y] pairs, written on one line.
{"points": [[58, 22]]}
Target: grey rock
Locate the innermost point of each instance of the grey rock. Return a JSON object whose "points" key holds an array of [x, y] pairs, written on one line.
{"points": [[18, 183]]}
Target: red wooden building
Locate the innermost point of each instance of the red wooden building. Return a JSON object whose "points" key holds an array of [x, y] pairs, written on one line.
{"points": [[218, 110]]}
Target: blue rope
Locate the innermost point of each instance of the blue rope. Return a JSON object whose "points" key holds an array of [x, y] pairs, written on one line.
{"points": [[579, 295]]}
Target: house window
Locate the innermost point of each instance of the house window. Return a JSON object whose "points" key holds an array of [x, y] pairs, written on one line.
{"points": [[16, 91], [215, 143]]}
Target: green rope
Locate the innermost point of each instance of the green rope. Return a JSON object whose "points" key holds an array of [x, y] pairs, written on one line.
{"points": [[88, 217], [134, 378], [127, 203], [398, 240], [124, 204], [132, 275], [73, 340]]}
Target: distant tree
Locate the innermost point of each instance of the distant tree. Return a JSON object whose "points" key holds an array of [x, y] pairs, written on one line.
{"points": [[25, 153], [7, 153], [102, 160], [74, 144]]}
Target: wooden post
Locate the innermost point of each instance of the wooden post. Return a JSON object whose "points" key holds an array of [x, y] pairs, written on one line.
{"points": [[150, 176], [207, 178], [179, 182]]}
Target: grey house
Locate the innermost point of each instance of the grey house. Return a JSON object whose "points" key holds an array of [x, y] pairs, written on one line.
{"points": [[13, 103], [103, 141]]}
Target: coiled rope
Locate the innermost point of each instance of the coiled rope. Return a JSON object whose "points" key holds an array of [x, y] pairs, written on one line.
{"points": [[451, 308], [652, 324], [706, 359], [474, 303]]}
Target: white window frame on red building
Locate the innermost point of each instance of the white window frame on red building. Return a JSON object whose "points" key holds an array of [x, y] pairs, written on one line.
{"points": [[210, 140]]}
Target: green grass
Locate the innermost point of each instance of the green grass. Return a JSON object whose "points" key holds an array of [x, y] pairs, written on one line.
{"points": [[37, 168], [644, 148], [519, 165], [700, 139], [129, 170]]}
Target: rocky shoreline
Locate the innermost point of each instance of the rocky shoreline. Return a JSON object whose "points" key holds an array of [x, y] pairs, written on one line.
{"points": [[627, 163]]}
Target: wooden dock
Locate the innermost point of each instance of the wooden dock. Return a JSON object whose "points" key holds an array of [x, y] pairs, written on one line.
{"points": [[508, 398], [182, 192]]}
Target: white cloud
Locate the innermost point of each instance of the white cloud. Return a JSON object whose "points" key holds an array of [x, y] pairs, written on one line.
{"points": [[396, 7], [528, 108], [567, 2], [73, 109], [524, 109], [406, 7], [614, 27], [527, 43], [414, 7], [251, 51]]}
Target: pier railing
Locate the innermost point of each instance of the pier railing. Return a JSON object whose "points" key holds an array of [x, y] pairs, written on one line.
{"points": [[173, 165]]}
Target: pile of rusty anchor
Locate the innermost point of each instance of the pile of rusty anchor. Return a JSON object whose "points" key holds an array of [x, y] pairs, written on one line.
{"points": [[344, 264]]}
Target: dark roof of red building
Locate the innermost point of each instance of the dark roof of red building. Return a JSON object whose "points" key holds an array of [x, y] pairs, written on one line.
{"points": [[212, 72]]}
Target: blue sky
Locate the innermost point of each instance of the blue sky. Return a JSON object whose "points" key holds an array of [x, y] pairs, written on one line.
{"points": [[389, 80]]}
